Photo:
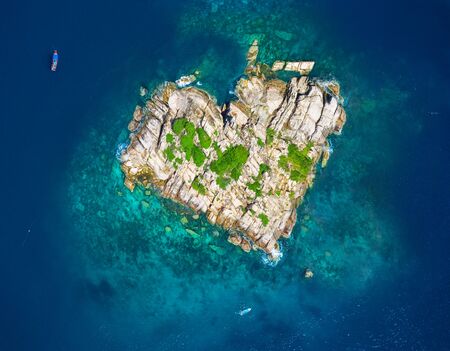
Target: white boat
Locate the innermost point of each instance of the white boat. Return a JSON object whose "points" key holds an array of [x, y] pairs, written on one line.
{"points": [[244, 311]]}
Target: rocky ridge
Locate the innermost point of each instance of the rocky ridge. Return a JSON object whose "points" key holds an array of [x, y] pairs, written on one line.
{"points": [[246, 165]]}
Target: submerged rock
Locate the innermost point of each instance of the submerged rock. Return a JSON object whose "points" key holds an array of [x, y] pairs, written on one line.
{"points": [[143, 91], [192, 233], [217, 249], [184, 220], [246, 165], [252, 53], [308, 274], [283, 35]]}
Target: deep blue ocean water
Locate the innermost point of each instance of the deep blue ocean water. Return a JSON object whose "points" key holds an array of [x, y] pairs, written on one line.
{"points": [[85, 265]]}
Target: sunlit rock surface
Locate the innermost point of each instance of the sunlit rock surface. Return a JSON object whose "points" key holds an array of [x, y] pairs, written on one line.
{"points": [[281, 129]]}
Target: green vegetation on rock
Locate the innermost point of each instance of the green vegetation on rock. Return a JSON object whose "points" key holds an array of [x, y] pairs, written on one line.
{"points": [[283, 163], [297, 162], [169, 138], [204, 138], [217, 149], [198, 155], [230, 162], [260, 142], [186, 131], [264, 219], [198, 186], [187, 143], [223, 182], [169, 154], [256, 185], [263, 168], [270, 134], [178, 125]]}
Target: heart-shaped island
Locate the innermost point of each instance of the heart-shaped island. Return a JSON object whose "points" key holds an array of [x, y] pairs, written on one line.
{"points": [[245, 165]]}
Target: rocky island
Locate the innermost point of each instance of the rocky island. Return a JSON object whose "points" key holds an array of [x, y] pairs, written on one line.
{"points": [[247, 164]]}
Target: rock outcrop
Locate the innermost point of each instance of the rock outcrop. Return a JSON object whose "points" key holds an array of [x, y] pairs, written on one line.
{"points": [[245, 165]]}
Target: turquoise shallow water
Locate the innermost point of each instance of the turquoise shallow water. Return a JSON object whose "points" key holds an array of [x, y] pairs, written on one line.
{"points": [[129, 275]]}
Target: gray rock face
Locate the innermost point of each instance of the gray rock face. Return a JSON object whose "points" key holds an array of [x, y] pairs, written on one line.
{"points": [[282, 126]]}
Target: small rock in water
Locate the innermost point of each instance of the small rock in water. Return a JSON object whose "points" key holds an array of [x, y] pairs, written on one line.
{"points": [[245, 245], [308, 273], [216, 233], [148, 192], [184, 81], [167, 229], [184, 220], [325, 158], [195, 235], [196, 216], [143, 91]]}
